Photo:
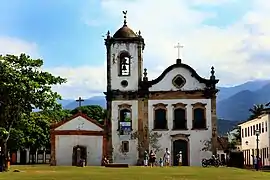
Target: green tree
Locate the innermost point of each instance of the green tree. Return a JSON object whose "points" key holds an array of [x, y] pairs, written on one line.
{"points": [[23, 87], [256, 111], [31, 132], [57, 115], [93, 111]]}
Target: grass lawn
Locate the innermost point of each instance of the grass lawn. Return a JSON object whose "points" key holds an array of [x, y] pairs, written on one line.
{"points": [[44, 172]]}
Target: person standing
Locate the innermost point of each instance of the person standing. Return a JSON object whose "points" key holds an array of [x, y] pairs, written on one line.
{"points": [[161, 162], [179, 158], [167, 157], [145, 158], [255, 162], [152, 158]]}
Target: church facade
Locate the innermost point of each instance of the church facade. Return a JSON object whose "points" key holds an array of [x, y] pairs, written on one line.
{"points": [[177, 110]]}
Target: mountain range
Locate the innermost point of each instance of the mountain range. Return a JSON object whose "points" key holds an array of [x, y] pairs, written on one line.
{"points": [[233, 103]]}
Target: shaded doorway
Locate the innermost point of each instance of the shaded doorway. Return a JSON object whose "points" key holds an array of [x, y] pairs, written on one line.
{"points": [[79, 153], [182, 147], [23, 155], [13, 157]]}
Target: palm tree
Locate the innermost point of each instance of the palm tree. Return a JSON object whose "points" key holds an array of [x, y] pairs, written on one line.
{"points": [[256, 110]]}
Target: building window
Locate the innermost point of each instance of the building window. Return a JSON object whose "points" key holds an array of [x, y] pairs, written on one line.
{"points": [[160, 117], [125, 146], [124, 64], [251, 132], [245, 132], [248, 131], [125, 120], [254, 129], [265, 126], [199, 116], [267, 152], [260, 130], [262, 127], [180, 116]]}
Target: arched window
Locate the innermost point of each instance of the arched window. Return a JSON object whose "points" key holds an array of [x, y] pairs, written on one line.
{"points": [[124, 64], [180, 118], [199, 116], [125, 120], [160, 117]]}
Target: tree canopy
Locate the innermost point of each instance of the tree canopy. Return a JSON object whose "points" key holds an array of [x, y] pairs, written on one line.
{"points": [[256, 111], [23, 87], [95, 112]]}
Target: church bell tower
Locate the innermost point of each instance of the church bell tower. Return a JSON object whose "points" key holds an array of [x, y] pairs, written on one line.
{"points": [[124, 59]]}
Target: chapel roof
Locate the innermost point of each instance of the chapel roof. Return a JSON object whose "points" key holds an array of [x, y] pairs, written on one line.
{"points": [[79, 114]]}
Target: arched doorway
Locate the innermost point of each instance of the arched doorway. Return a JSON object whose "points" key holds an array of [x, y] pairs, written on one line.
{"points": [[79, 152], [180, 145]]}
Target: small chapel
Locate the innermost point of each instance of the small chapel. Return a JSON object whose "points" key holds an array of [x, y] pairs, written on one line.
{"points": [[76, 138], [177, 110]]}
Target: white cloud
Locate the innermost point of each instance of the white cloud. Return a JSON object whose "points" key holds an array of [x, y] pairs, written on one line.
{"points": [[83, 81], [11, 45], [165, 23], [234, 50]]}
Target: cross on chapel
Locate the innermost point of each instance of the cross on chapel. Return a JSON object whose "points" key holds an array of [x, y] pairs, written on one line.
{"points": [[178, 46], [80, 100]]}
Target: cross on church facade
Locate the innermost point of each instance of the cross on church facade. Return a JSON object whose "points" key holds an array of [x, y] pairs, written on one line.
{"points": [[178, 46], [80, 100]]}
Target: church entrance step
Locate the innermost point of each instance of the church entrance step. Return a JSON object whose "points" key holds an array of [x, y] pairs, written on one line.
{"points": [[114, 165]]}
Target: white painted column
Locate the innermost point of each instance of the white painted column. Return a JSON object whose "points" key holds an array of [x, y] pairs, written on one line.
{"points": [[36, 157], [27, 156], [44, 155], [18, 156]]}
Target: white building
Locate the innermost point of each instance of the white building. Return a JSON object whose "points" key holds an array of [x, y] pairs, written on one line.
{"points": [[177, 110], [78, 137], [248, 139]]}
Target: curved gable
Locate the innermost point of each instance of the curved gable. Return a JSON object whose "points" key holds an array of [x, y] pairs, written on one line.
{"points": [[187, 75]]}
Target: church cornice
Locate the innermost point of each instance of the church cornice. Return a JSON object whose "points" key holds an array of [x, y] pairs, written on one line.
{"points": [[138, 40]]}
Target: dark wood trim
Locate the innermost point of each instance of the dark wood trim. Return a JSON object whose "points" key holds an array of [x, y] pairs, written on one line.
{"points": [[179, 106], [78, 132], [157, 107], [199, 105]]}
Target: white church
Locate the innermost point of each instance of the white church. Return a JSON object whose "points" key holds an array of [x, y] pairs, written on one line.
{"points": [[177, 110]]}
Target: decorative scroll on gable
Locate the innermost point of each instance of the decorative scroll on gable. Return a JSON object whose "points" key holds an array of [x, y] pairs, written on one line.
{"points": [[177, 79]]}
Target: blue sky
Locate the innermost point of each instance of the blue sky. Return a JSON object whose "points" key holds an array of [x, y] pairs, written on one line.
{"points": [[68, 33], [57, 27]]}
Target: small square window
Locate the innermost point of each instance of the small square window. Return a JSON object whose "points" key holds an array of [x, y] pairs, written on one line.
{"points": [[125, 146]]}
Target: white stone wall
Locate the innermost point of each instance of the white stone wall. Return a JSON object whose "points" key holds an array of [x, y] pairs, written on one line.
{"points": [[249, 142], [196, 138], [132, 156], [116, 49], [166, 83], [64, 149]]}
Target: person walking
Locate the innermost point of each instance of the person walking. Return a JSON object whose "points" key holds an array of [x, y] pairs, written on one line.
{"points": [[145, 158], [166, 157]]}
